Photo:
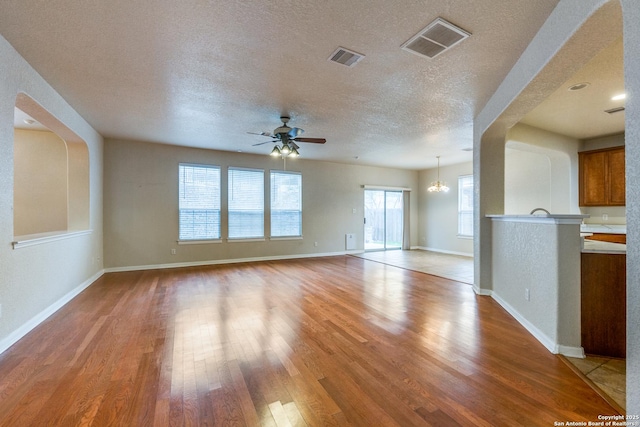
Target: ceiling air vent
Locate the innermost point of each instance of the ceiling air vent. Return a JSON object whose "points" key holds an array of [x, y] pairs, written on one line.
{"points": [[345, 57], [437, 37], [614, 110]]}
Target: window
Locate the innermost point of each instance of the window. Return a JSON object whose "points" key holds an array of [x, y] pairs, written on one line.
{"points": [[246, 203], [286, 204], [465, 206], [199, 202]]}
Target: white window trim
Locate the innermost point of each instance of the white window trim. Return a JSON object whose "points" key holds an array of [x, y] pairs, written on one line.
{"points": [[385, 188], [286, 238], [245, 239], [200, 241]]}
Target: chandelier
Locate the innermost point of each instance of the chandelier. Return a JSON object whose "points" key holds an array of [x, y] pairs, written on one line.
{"points": [[438, 186]]}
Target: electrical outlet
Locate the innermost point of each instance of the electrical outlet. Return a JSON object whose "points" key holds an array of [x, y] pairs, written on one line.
{"points": [[173, 251], [315, 244], [605, 217], [527, 294], [0, 310], [354, 210]]}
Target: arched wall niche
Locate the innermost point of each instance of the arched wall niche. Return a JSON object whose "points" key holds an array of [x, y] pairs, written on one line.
{"points": [[539, 171], [51, 175]]}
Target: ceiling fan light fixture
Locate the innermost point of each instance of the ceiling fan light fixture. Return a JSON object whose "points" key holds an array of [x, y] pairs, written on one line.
{"points": [[285, 138]]}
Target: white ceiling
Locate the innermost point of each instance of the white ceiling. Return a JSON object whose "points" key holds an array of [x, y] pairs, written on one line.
{"points": [[581, 113], [204, 73]]}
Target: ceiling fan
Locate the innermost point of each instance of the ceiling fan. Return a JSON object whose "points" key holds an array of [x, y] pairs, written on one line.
{"points": [[288, 136]]}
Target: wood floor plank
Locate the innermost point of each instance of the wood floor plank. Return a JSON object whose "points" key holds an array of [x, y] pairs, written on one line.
{"points": [[320, 342]]}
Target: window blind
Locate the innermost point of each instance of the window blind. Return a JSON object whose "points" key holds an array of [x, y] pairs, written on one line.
{"points": [[246, 203], [286, 204], [199, 202]]}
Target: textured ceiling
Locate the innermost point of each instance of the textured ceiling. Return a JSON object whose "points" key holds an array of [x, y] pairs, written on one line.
{"points": [[581, 113], [202, 73]]}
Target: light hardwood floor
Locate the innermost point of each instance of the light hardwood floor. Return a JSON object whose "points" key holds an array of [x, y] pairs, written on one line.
{"points": [[327, 341], [454, 267]]}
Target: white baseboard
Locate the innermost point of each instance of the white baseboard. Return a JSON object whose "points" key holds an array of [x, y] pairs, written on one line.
{"points": [[483, 292], [43, 315], [577, 352], [443, 251], [226, 261], [549, 343]]}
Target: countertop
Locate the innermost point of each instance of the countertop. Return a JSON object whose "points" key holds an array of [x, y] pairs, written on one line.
{"points": [[598, 247], [603, 228]]}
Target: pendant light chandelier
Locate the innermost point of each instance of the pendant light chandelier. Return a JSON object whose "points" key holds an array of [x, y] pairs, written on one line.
{"points": [[438, 186]]}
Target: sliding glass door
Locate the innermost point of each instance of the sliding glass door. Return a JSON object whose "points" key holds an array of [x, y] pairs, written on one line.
{"points": [[382, 220]]}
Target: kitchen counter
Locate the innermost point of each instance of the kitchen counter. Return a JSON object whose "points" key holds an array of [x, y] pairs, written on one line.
{"points": [[603, 228], [562, 219], [598, 247]]}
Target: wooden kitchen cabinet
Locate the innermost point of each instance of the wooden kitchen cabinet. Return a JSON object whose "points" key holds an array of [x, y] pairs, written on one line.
{"points": [[606, 237], [601, 175], [603, 301]]}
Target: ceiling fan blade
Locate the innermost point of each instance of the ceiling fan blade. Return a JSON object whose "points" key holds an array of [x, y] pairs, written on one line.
{"points": [[313, 140], [262, 143], [293, 132], [261, 134]]}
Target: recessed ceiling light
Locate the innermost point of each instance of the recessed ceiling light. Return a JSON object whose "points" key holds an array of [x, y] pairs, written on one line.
{"points": [[619, 97], [579, 86], [29, 121]]}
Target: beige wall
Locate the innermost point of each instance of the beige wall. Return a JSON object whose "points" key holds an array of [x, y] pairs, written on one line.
{"points": [[141, 205], [40, 182], [541, 261], [438, 223], [36, 280], [79, 193], [541, 170]]}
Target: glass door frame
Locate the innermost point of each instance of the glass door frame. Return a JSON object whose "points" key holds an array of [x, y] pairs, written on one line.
{"points": [[369, 232]]}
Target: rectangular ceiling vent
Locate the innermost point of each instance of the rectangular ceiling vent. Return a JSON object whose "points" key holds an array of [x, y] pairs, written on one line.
{"points": [[437, 37], [614, 110], [345, 57]]}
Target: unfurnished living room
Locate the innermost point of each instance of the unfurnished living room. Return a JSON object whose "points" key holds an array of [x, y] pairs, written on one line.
{"points": [[366, 213]]}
